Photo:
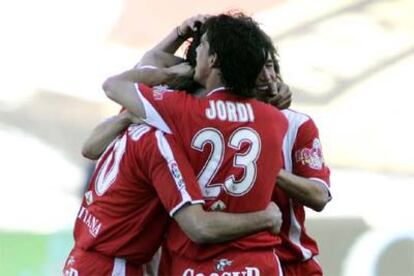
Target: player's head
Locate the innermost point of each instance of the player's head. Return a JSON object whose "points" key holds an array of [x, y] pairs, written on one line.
{"points": [[269, 76], [235, 45]]}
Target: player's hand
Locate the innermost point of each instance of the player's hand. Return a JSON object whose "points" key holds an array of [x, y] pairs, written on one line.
{"points": [[282, 98], [190, 25], [274, 211]]}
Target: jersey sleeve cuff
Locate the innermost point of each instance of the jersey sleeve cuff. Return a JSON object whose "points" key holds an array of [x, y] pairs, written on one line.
{"points": [[324, 185], [183, 203]]}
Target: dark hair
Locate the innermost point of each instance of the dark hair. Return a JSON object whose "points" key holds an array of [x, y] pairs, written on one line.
{"points": [[188, 84], [275, 57], [241, 48]]}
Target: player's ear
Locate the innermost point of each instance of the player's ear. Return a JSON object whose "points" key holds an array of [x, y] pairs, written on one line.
{"points": [[213, 61]]}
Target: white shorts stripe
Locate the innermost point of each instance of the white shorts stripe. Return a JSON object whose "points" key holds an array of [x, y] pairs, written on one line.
{"points": [[119, 267], [279, 266]]}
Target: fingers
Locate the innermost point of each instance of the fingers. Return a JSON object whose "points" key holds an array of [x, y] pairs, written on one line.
{"points": [[191, 24], [283, 98]]}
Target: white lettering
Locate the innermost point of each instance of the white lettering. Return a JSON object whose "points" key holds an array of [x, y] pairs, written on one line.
{"points": [[252, 271], [93, 224], [231, 109], [95, 231], [221, 110], [242, 111], [248, 271], [189, 271], [250, 112], [211, 112], [81, 211]]}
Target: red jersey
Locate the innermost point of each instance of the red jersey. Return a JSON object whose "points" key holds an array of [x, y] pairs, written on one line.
{"points": [[303, 157], [139, 176], [234, 145]]}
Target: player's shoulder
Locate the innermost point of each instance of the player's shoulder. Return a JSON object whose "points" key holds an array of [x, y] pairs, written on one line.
{"points": [[296, 117], [141, 133]]}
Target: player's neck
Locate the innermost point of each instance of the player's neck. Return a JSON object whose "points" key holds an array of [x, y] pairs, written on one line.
{"points": [[213, 81]]}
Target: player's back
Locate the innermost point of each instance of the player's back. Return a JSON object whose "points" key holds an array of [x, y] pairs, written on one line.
{"points": [[234, 145], [122, 214]]}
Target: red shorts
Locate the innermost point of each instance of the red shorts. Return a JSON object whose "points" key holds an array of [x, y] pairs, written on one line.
{"points": [[235, 262], [80, 262], [309, 268]]}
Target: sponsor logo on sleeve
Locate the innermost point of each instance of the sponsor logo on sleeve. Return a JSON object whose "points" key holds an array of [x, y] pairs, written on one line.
{"points": [[178, 178], [311, 157], [158, 91]]}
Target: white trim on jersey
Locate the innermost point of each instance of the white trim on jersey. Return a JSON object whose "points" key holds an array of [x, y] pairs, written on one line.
{"points": [[295, 120], [216, 90], [295, 231], [153, 118], [168, 155], [279, 266], [139, 67], [119, 267]]}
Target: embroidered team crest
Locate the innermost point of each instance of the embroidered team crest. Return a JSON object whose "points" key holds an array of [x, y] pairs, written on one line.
{"points": [[222, 263], [311, 156], [89, 197], [218, 206]]}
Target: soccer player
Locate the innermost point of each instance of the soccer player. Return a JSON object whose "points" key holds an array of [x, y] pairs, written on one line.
{"points": [[232, 141], [304, 182], [122, 219]]}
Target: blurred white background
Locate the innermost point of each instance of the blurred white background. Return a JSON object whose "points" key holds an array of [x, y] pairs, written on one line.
{"points": [[349, 64]]}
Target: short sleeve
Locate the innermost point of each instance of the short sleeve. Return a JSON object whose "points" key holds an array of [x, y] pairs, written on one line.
{"points": [[172, 175], [307, 155], [163, 106]]}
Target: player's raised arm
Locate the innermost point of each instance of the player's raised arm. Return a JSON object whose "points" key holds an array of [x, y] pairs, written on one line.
{"points": [[122, 89], [214, 227]]}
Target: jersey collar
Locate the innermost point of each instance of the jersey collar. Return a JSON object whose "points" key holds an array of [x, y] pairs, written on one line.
{"points": [[218, 89]]}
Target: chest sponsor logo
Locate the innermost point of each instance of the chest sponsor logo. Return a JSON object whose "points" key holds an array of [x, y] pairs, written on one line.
{"points": [[92, 223], [311, 157], [247, 271]]}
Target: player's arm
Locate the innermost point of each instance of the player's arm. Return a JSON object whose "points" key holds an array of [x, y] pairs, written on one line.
{"points": [[176, 184], [178, 35], [105, 133], [311, 193], [308, 183], [214, 227], [122, 88]]}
